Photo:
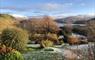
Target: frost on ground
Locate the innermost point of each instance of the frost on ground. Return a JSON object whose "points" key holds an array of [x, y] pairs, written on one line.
{"points": [[74, 52]]}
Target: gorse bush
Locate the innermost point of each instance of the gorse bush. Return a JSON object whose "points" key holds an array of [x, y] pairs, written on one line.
{"points": [[15, 38]]}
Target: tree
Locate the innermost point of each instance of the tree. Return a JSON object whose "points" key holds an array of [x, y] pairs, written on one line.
{"points": [[91, 29], [49, 25], [40, 25]]}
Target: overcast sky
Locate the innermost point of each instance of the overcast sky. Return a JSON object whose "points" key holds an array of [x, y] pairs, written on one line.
{"points": [[47, 7]]}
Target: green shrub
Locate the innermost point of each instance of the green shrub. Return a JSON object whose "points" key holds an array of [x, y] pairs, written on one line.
{"points": [[46, 43], [15, 38], [13, 55]]}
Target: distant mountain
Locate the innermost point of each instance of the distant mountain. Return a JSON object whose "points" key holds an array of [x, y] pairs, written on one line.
{"points": [[91, 20], [74, 18], [19, 17], [77, 20]]}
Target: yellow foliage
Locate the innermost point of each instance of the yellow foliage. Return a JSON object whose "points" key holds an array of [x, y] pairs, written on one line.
{"points": [[46, 43], [6, 21]]}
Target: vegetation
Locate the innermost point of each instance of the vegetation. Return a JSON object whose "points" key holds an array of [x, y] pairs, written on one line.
{"points": [[40, 25], [81, 30], [15, 38], [6, 21], [46, 43], [7, 53], [91, 29], [39, 55], [73, 40]]}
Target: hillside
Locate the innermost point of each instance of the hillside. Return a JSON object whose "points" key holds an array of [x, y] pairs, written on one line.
{"points": [[6, 16], [6, 21], [74, 19]]}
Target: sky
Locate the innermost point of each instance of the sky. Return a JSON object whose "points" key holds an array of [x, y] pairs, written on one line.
{"points": [[47, 7]]}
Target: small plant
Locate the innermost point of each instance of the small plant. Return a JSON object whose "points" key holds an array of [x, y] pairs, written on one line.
{"points": [[7, 53], [73, 40], [15, 38], [46, 43]]}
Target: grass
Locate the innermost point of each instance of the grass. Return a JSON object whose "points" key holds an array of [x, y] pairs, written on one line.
{"points": [[37, 53], [43, 55]]}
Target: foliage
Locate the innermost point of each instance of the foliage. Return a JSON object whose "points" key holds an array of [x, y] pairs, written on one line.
{"points": [[46, 43], [36, 37], [91, 29], [80, 30], [7, 53], [13, 55], [5, 16], [6, 21], [15, 38], [52, 36], [73, 40], [49, 25], [40, 25], [39, 37]]}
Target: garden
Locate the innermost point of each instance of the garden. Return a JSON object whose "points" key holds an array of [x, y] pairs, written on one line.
{"points": [[40, 40]]}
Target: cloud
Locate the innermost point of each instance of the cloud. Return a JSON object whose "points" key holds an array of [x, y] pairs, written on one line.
{"points": [[45, 8], [14, 8], [51, 6], [54, 6]]}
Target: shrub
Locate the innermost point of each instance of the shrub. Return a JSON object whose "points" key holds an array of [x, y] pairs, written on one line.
{"points": [[15, 38], [73, 40], [13, 55], [7, 53], [50, 36], [46, 43]]}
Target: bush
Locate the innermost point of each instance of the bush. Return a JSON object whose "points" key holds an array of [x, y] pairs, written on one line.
{"points": [[15, 38], [50, 36], [46, 43], [7, 53], [73, 40], [13, 55]]}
